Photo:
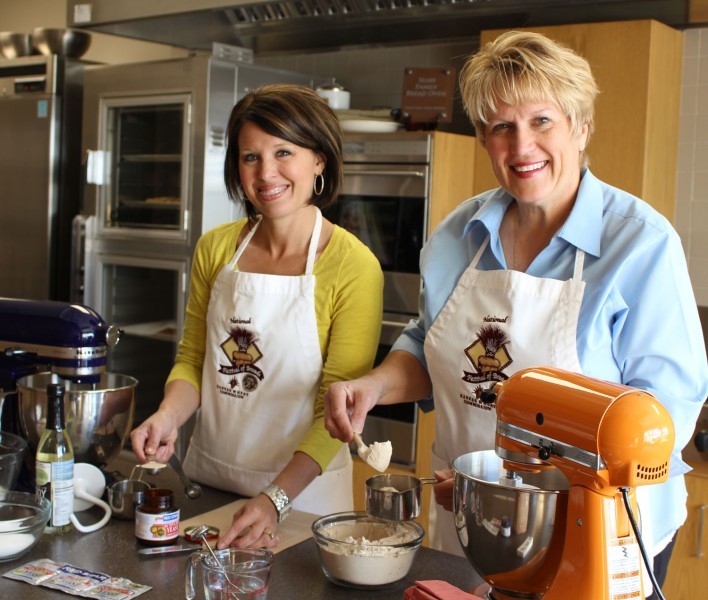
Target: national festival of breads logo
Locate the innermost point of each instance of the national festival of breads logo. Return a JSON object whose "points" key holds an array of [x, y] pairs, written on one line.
{"points": [[242, 353], [488, 355]]}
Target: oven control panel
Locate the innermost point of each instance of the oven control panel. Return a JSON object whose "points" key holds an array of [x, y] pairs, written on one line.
{"points": [[397, 147]]}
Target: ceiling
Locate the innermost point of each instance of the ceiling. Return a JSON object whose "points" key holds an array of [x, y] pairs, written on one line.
{"points": [[275, 26]]}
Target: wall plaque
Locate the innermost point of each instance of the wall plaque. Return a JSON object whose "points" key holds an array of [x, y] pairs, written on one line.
{"points": [[427, 96]]}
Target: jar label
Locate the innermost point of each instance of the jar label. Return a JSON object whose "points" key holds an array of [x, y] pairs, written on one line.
{"points": [[161, 527]]}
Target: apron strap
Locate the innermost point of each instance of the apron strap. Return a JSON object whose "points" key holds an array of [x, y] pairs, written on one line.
{"points": [[579, 261], [314, 242], [242, 247], [311, 252], [481, 250]]}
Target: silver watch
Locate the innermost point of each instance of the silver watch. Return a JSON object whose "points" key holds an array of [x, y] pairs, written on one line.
{"points": [[279, 499]]}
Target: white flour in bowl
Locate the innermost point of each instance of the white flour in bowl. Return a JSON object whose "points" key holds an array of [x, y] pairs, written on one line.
{"points": [[371, 553]]}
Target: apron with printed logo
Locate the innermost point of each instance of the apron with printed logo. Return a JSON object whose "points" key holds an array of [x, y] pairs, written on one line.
{"points": [[494, 324], [262, 371]]}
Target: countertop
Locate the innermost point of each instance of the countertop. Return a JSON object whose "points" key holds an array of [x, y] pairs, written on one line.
{"points": [[296, 573]]}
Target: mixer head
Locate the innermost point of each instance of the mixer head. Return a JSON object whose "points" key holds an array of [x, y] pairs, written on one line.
{"points": [[70, 340], [599, 434]]}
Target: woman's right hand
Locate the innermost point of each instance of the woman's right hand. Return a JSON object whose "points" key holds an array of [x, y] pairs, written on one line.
{"points": [[346, 405], [155, 437]]}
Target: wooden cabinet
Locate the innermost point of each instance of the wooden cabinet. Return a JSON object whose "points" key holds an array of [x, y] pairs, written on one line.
{"points": [[688, 570], [637, 65], [698, 11]]}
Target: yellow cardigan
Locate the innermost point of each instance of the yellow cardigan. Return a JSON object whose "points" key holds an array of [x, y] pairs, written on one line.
{"points": [[348, 305]]}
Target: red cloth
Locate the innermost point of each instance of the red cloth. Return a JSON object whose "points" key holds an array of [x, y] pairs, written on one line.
{"points": [[436, 590]]}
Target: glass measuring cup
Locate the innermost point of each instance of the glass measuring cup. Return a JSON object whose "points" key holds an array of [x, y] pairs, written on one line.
{"points": [[239, 574]]}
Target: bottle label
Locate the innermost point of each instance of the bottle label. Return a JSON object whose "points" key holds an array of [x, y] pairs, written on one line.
{"points": [[55, 482], [162, 527]]}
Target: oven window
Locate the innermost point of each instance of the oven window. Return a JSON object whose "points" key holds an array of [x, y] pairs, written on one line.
{"points": [[392, 227]]}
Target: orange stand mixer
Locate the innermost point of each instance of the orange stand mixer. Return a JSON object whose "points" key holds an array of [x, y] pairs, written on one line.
{"points": [[606, 439]]}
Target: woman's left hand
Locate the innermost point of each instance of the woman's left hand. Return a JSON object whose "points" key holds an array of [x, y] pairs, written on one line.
{"points": [[254, 525], [443, 489]]}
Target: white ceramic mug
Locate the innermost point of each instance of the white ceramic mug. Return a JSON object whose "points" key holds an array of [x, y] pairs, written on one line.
{"points": [[89, 483]]}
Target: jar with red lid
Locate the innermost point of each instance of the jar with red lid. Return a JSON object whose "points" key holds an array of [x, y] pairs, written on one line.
{"points": [[157, 518]]}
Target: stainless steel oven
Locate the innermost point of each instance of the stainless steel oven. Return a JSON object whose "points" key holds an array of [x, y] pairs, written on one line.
{"points": [[385, 202]]}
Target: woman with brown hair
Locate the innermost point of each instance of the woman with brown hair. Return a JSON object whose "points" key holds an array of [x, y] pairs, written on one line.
{"points": [[282, 303]]}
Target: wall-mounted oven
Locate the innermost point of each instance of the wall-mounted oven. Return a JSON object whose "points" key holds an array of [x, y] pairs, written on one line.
{"points": [[388, 201]]}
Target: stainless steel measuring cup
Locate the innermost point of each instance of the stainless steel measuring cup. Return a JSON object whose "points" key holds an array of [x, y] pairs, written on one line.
{"points": [[394, 497]]}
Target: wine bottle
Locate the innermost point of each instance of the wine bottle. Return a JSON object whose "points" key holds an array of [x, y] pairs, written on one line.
{"points": [[55, 463]]}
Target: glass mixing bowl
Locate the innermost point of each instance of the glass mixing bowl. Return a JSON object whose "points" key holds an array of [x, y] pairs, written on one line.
{"points": [[362, 552], [23, 517]]}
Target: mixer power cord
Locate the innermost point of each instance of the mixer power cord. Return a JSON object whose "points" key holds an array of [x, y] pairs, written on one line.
{"points": [[642, 549]]}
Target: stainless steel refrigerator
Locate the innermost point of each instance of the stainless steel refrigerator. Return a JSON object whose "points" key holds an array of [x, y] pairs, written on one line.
{"points": [[40, 145], [154, 134]]}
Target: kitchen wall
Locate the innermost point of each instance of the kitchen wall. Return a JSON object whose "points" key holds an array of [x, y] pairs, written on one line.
{"points": [[374, 76], [692, 187]]}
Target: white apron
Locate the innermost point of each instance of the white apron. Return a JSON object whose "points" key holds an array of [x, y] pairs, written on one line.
{"points": [[262, 371], [494, 324]]}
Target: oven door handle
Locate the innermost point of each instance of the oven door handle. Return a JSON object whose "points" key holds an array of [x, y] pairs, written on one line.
{"points": [[370, 173]]}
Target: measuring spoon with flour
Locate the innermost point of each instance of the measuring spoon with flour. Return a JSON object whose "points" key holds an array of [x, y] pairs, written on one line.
{"points": [[377, 455]]}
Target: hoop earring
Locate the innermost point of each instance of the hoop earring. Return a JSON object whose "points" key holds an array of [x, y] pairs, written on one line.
{"points": [[318, 186]]}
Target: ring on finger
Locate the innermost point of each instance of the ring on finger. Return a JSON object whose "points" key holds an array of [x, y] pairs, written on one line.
{"points": [[269, 533]]}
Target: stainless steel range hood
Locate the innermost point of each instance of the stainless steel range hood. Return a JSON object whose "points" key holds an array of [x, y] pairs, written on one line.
{"points": [[271, 26]]}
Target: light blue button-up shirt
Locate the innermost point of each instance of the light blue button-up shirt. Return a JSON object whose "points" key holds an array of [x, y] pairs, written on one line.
{"points": [[638, 321]]}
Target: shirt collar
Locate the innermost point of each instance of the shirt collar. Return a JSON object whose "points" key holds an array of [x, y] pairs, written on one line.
{"points": [[582, 229]]}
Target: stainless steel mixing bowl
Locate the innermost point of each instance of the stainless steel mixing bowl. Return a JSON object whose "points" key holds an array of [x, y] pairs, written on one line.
{"points": [[512, 536], [72, 43], [14, 45], [98, 416]]}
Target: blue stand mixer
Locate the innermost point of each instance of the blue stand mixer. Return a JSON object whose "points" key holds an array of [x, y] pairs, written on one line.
{"points": [[44, 342]]}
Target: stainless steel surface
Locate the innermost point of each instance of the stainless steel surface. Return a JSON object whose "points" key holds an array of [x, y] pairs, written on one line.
{"points": [[72, 43], [394, 497], [591, 460], [282, 25], [98, 416], [169, 549], [40, 117], [191, 490], [124, 495], [14, 45], [536, 517]]}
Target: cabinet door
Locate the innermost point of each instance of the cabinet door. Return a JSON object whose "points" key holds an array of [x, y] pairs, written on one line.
{"points": [[637, 65], [688, 569]]}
